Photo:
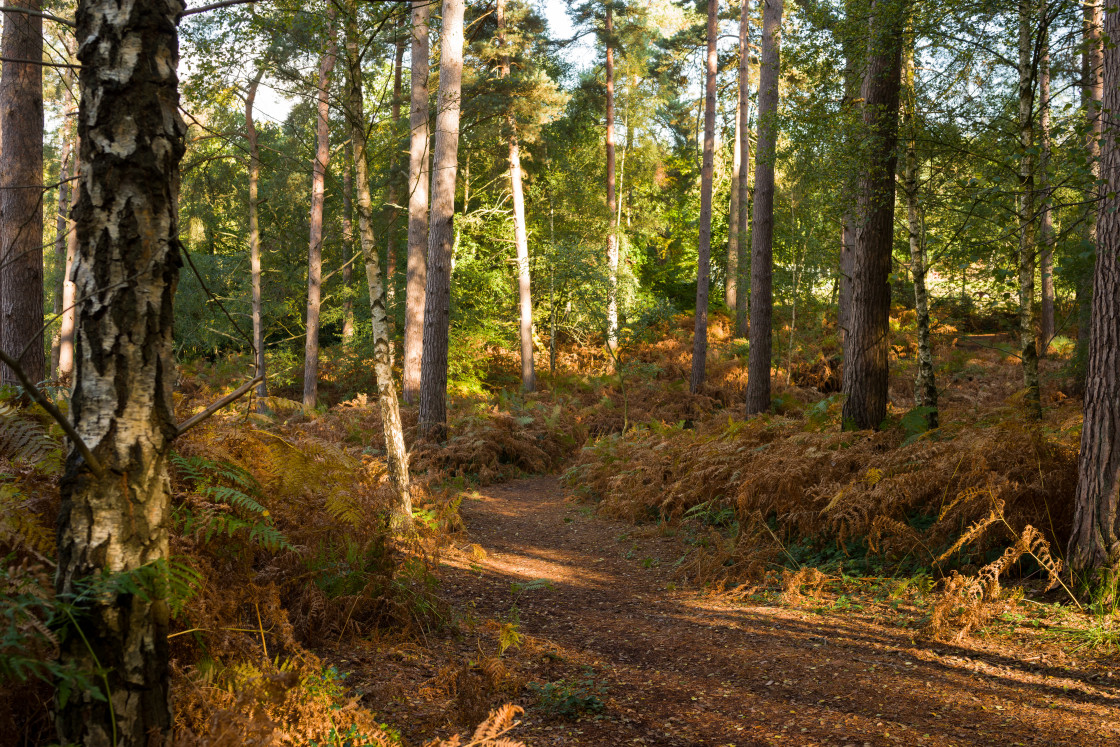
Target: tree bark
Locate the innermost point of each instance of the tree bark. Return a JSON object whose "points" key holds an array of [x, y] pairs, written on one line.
{"points": [[1046, 227], [419, 141], [704, 247], [731, 278], [1094, 546], [66, 326], [21, 194], [318, 198], [742, 186], [762, 227], [114, 521], [441, 237], [520, 234], [1028, 249], [67, 171], [382, 346], [347, 252], [925, 385], [851, 106], [867, 339], [1092, 94], [612, 218], [393, 187], [255, 235]]}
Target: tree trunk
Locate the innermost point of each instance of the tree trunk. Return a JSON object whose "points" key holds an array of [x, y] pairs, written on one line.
{"points": [[731, 279], [67, 173], [437, 301], [742, 187], [704, 247], [21, 194], [382, 345], [762, 227], [114, 520], [66, 326], [419, 140], [521, 237], [318, 198], [1091, 95], [867, 317], [347, 252], [1028, 349], [255, 235], [1094, 546], [1046, 228], [393, 188], [850, 107], [612, 225], [925, 386]]}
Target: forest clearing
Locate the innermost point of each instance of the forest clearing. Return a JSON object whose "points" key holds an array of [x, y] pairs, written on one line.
{"points": [[734, 373]]}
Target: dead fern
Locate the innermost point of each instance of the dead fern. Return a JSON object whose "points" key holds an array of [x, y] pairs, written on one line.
{"points": [[490, 732]]}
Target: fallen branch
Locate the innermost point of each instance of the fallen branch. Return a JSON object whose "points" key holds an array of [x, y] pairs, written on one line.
{"points": [[229, 399]]}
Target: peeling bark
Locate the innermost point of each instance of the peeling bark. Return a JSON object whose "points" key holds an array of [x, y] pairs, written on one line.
{"points": [[125, 273], [612, 225]]}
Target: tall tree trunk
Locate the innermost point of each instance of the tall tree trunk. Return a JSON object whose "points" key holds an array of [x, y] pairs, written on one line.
{"points": [[393, 188], [742, 186], [67, 173], [419, 140], [318, 198], [762, 227], [437, 300], [66, 326], [1092, 93], [925, 385], [704, 246], [1094, 546], [867, 338], [612, 225], [1046, 228], [255, 234], [851, 107], [21, 193], [347, 251], [520, 234], [382, 345], [1028, 249], [113, 520], [731, 277]]}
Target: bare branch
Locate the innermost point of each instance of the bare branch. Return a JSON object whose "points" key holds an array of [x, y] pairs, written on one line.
{"points": [[40, 14], [46, 404], [230, 398]]}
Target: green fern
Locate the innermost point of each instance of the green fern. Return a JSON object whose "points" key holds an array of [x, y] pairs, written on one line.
{"points": [[22, 439]]}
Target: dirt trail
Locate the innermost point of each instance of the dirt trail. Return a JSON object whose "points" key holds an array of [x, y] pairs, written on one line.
{"points": [[685, 670]]}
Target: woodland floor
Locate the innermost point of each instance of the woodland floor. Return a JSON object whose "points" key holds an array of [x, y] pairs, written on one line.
{"points": [[681, 667]]}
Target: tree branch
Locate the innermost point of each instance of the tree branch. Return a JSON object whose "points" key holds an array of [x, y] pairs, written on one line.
{"points": [[40, 14], [46, 404], [230, 398]]}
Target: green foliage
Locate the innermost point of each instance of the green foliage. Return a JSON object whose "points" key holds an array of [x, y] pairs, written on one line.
{"points": [[571, 699]]}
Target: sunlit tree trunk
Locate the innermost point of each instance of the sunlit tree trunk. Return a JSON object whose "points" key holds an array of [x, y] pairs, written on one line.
{"points": [[66, 325], [742, 172], [67, 172], [114, 520], [1094, 546], [1092, 92], [925, 385], [255, 233], [867, 317], [382, 345], [21, 193], [1028, 249], [441, 237], [704, 247], [347, 252], [318, 198], [520, 234], [612, 216], [419, 140], [762, 226], [1046, 227]]}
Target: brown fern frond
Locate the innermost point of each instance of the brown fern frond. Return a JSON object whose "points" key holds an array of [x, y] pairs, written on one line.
{"points": [[994, 514]]}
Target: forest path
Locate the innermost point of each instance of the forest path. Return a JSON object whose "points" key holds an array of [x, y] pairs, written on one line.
{"points": [[685, 669]]}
